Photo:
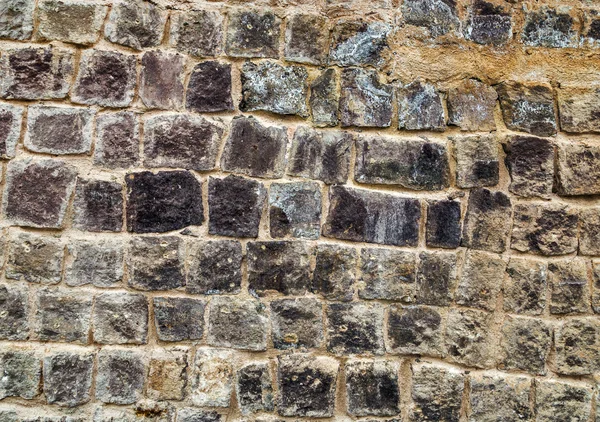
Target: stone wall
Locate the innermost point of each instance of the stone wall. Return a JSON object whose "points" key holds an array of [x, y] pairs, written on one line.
{"points": [[374, 210]]}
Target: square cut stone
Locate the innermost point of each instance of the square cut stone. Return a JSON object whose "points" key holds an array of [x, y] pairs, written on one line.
{"points": [[358, 43], [443, 229], [136, 23], [525, 345], [589, 231], [437, 278], [557, 401], [489, 24], [365, 102], [578, 346], [16, 20], [467, 337], [253, 33], [156, 263], [214, 267], [212, 378], [334, 273], [117, 140], [306, 39], [68, 378], [504, 397], [477, 161], [121, 376], [415, 330], [546, 27], [387, 274], [14, 306], [254, 388], [295, 210], [530, 161], [209, 88], [161, 80], [120, 318], [71, 21], [479, 284], [95, 262], [578, 166], [372, 388], [579, 108], [324, 98], [197, 32], [21, 373], [237, 323], [98, 206], [569, 286], [34, 258], [178, 318], [420, 107], [488, 221], [436, 393], [11, 117], [296, 323], [63, 315], [167, 375], [525, 286], [355, 328], [471, 106]]}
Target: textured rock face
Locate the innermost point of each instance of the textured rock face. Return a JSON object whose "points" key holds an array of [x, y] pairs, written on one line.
{"points": [[365, 101], [494, 397], [579, 109], [358, 43], [155, 263], [295, 210], [117, 140], [489, 23], [578, 170], [253, 34], [197, 32], [487, 220], [372, 388], [306, 39], [161, 80], [420, 107], [549, 28], [477, 162], [471, 106], [296, 323], [238, 324], [324, 99], [355, 328], [530, 161], [435, 393], [16, 19], [387, 274], [209, 88], [415, 330], [438, 16], [136, 24]]}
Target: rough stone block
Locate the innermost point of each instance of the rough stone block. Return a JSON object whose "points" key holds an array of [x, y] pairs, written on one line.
{"points": [[530, 161], [528, 107], [579, 109], [14, 311], [365, 102], [95, 262], [334, 273], [372, 388], [36, 73], [467, 337], [136, 23], [373, 217], [209, 88], [477, 161], [591, 31], [436, 278], [356, 43], [589, 231], [59, 130], [98, 206], [252, 33], [237, 324], [281, 266], [569, 287], [21, 373], [63, 315], [163, 201], [471, 106], [189, 414], [34, 258], [443, 224], [117, 140], [479, 283], [254, 389], [121, 376], [268, 86], [71, 21], [503, 398], [596, 286], [387, 274], [214, 267], [156, 263], [306, 39], [295, 210], [235, 206], [11, 117], [549, 28], [197, 32], [415, 330], [212, 378], [488, 221], [420, 107], [181, 141], [120, 318], [179, 318], [578, 346], [324, 98], [307, 385], [320, 155], [161, 80], [167, 376], [437, 393], [525, 344], [411, 163], [578, 166], [525, 287], [557, 401], [68, 378], [489, 24], [16, 19], [355, 328], [296, 323], [255, 149]]}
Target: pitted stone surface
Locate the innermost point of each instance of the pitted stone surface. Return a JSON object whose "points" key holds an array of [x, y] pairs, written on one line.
{"points": [[479, 283], [549, 28], [578, 346], [471, 106], [420, 107], [155, 263], [334, 273], [578, 169], [477, 161], [415, 330], [16, 19], [387, 274], [569, 286], [436, 393], [372, 388], [63, 316], [487, 222], [68, 378], [253, 33], [296, 323], [21, 373], [558, 401], [579, 109], [120, 377], [499, 397], [212, 378], [215, 267], [365, 101], [117, 140], [467, 337], [525, 286], [237, 323], [489, 23], [209, 88], [355, 328], [197, 32], [75, 22], [443, 224], [99, 263], [137, 24], [530, 161], [167, 373], [525, 344], [10, 129], [436, 278], [356, 43], [295, 210], [161, 80], [306, 39], [98, 206], [254, 388], [120, 318], [14, 307], [324, 99], [178, 318], [35, 259], [439, 16]]}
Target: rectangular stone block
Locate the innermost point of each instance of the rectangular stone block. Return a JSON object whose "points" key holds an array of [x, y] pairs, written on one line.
{"points": [[16, 19], [306, 39], [578, 166], [295, 210], [365, 102], [488, 221], [489, 23], [214, 267], [34, 258], [98, 206], [254, 388], [11, 117], [197, 32], [589, 231], [212, 378], [14, 306], [137, 24], [359, 43], [546, 27], [500, 397], [156, 263], [355, 328], [420, 107], [436, 278], [253, 33], [372, 388], [334, 273], [121, 376], [117, 140], [68, 378], [21, 373], [296, 323], [120, 318], [530, 161], [557, 401], [71, 21], [471, 105], [209, 88], [178, 318], [237, 323], [167, 375], [436, 393], [579, 109], [415, 330], [324, 99], [525, 344], [161, 80], [525, 286], [63, 315], [569, 286], [387, 274], [578, 346], [95, 262], [477, 161], [467, 337], [479, 285], [443, 228]]}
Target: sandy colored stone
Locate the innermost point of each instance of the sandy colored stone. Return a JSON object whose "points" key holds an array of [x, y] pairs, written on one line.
{"points": [[34, 258], [569, 286], [578, 166], [477, 161], [167, 373], [387, 274], [471, 106], [212, 378], [579, 109], [499, 397], [525, 286], [72, 21], [479, 285], [487, 222], [525, 344]]}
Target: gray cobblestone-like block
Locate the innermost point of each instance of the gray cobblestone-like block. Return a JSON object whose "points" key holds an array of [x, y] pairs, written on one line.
{"points": [[178, 318], [525, 344], [212, 378], [577, 343], [443, 229], [254, 388], [121, 376], [467, 337], [167, 374], [578, 168], [569, 286], [137, 24], [387, 274], [530, 161], [355, 328], [68, 378], [436, 278], [98, 262], [557, 401], [416, 330], [356, 43], [296, 323], [98, 206], [120, 318], [189, 414], [14, 311], [63, 315], [253, 33], [502, 397], [11, 117], [34, 258], [117, 140], [436, 393], [420, 107], [525, 286], [365, 101], [16, 19], [161, 80], [324, 98], [596, 286], [471, 106], [21, 373], [477, 161], [237, 323], [295, 210], [209, 88], [197, 32], [479, 282], [488, 221], [156, 263], [306, 39], [335, 272], [489, 24], [214, 267], [77, 22], [549, 28], [372, 388]]}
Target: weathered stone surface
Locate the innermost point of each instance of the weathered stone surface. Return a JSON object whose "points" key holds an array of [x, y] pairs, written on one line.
{"points": [[325, 98], [411, 163], [181, 141], [443, 224], [479, 283], [156, 263], [164, 201], [334, 273], [596, 286], [178, 318], [68, 378], [420, 107], [589, 231], [167, 374], [295, 210], [14, 310], [528, 107], [254, 389], [436, 278], [578, 346], [237, 324], [296, 323], [530, 161], [488, 220], [306, 39], [467, 337], [98, 206], [373, 217], [21, 373], [161, 80], [120, 318], [209, 88], [95, 262], [591, 31], [59, 130], [214, 267], [212, 378], [436, 393], [11, 117], [525, 287], [320, 155], [504, 398], [268, 86], [387, 274], [372, 388], [251, 33], [281, 266], [117, 140], [560, 401], [415, 330], [579, 109], [137, 24], [34, 258], [477, 161], [439, 16], [62, 315], [569, 287], [549, 28], [525, 344], [471, 106], [189, 414], [578, 165], [365, 102], [235, 206], [546, 229], [307, 385], [355, 328], [16, 19], [36, 73], [356, 43], [121, 376], [489, 24], [197, 32], [77, 22], [255, 149]]}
